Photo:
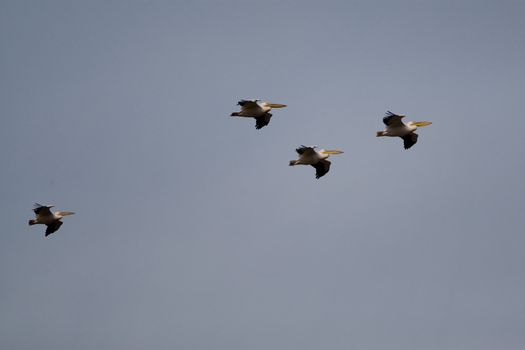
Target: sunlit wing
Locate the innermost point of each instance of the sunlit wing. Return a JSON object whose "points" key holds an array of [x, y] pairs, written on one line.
{"points": [[41, 210], [248, 104], [392, 119], [306, 150]]}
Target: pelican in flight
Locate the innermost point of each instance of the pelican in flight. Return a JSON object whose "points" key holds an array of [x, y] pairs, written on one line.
{"points": [[257, 109], [44, 216], [309, 155], [395, 127]]}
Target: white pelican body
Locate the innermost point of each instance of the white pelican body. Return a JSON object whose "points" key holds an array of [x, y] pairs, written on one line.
{"points": [[258, 110], [44, 216], [396, 128], [308, 155]]}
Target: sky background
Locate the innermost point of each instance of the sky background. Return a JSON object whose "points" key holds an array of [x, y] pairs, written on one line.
{"points": [[192, 232]]}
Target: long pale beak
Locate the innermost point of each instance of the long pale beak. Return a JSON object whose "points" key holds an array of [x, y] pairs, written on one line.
{"points": [[276, 105], [420, 124], [65, 213], [331, 151]]}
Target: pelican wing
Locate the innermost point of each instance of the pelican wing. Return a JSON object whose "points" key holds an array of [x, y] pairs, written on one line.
{"points": [[306, 150], [262, 121], [248, 104], [41, 210], [53, 227], [410, 140], [321, 168], [392, 119]]}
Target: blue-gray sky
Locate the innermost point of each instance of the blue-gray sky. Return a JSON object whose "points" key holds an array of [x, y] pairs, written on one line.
{"points": [[192, 232]]}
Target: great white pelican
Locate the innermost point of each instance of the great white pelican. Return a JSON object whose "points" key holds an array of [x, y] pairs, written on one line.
{"points": [[257, 109], [44, 216], [310, 155], [395, 127]]}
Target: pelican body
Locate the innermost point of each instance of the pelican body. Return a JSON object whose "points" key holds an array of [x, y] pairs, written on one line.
{"points": [[44, 216], [396, 128], [257, 109], [309, 155]]}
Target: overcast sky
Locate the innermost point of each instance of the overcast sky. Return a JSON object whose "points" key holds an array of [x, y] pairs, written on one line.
{"points": [[192, 232]]}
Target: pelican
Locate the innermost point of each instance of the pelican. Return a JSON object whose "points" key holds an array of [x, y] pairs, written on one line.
{"points": [[395, 127], [309, 155], [44, 216], [258, 110]]}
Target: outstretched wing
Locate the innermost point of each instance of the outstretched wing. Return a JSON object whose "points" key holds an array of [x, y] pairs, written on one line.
{"points": [[321, 168], [306, 150], [262, 120], [409, 140], [248, 103], [51, 228], [392, 119], [41, 210]]}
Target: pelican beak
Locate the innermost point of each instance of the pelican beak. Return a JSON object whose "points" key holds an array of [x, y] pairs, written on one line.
{"points": [[420, 124], [66, 213], [331, 151], [276, 105]]}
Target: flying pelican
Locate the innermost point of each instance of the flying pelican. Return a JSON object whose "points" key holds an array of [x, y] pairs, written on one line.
{"points": [[258, 110], [44, 216], [395, 127], [308, 155]]}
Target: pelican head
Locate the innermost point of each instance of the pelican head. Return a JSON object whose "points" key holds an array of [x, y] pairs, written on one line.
{"points": [[64, 213], [420, 124], [330, 151], [275, 105]]}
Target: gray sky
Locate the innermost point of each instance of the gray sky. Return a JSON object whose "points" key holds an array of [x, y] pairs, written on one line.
{"points": [[192, 232]]}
